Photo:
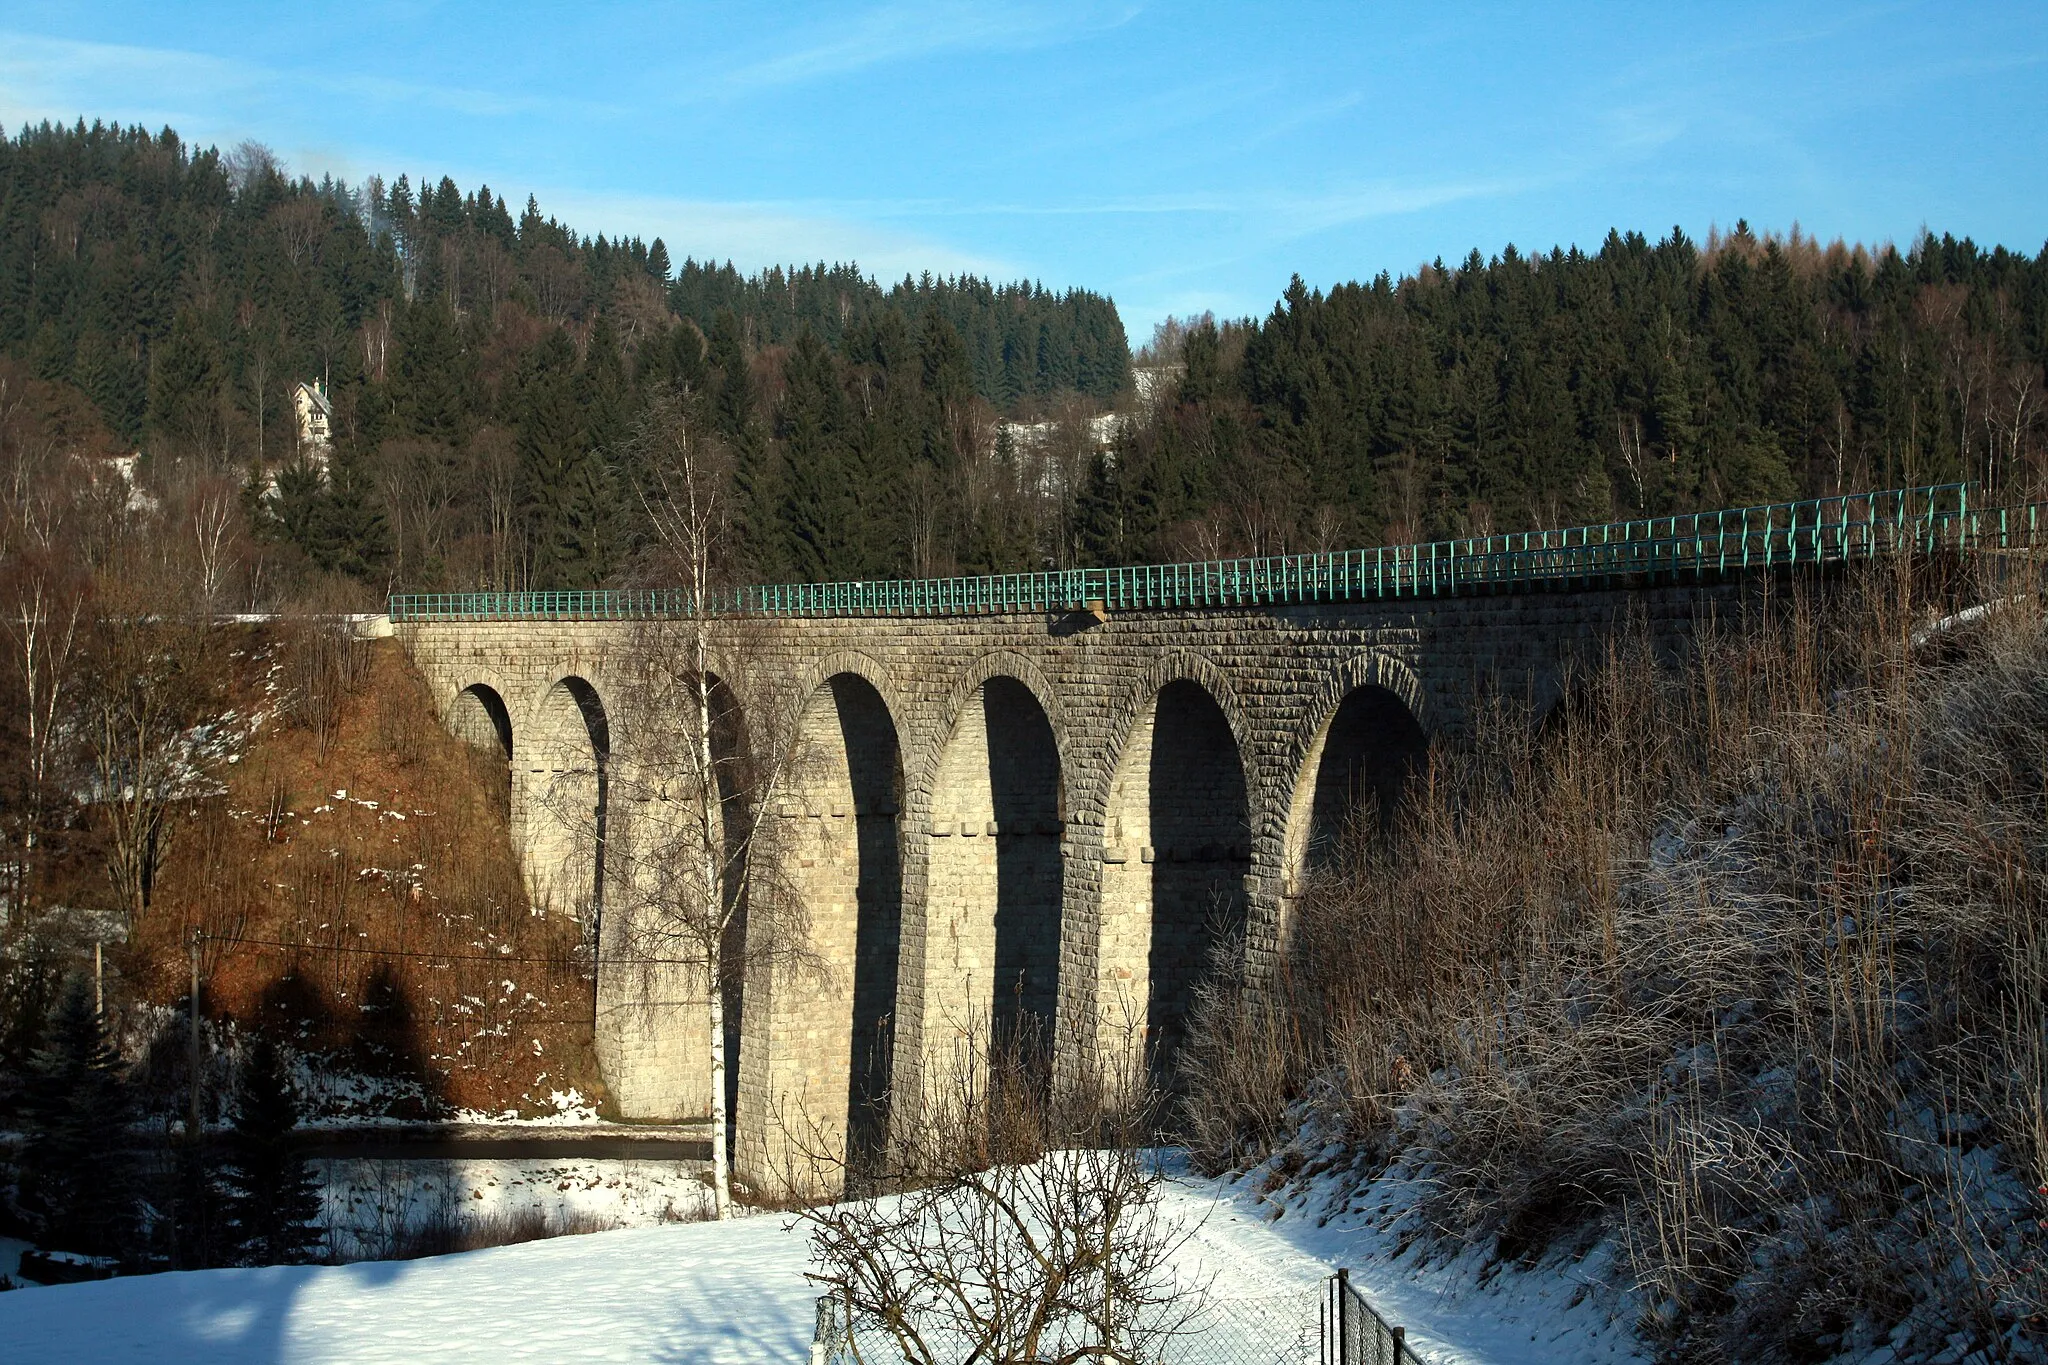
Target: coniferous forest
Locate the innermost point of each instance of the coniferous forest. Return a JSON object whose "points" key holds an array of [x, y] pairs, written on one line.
{"points": [[487, 367]]}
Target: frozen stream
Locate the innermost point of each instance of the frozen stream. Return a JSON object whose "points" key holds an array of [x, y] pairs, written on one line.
{"points": [[375, 1204]]}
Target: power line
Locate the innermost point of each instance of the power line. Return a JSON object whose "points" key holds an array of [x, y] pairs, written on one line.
{"points": [[358, 950]]}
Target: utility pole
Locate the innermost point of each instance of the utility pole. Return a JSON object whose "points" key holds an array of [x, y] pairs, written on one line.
{"points": [[192, 1120]]}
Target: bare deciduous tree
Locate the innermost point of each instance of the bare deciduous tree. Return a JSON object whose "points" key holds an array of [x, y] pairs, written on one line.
{"points": [[250, 162], [213, 519], [1025, 1227], [45, 602], [44, 591], [145, 690], [420, 482], [496, 464]]}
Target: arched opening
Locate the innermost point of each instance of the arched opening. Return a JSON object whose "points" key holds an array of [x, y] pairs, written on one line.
{"points": [[875, 788], [1177, 849], [1357, 770], [480, 719], [994, 883], [567, 790]]}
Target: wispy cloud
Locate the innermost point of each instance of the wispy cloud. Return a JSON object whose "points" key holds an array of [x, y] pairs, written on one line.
{"points": [[54, 77], [454, 99], [60, 77], [1286, 210], [901, 32]]}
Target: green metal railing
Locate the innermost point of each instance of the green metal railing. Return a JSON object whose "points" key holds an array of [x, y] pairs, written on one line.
{"points": [[1692, 545]]}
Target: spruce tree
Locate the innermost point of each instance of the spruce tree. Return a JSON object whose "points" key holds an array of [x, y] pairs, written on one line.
{"points": [[818, 502], [427, 377], [77, 1169], [184, 383], [1101, 512], [349, 530], [756, 492], [273, 1203], [295, 504], [192, 1237], [555, 483]]}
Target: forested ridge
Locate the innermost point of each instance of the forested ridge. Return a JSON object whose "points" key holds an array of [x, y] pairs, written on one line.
{"points": [[1527, 390], [486, 367], [489, 367]]}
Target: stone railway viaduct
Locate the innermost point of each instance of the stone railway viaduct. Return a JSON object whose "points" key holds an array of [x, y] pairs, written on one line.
{"points": [[1046, 813]]}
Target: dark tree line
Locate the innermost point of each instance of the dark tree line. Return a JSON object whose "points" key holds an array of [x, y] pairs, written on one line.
{"points": [[1544, 390], [1021, 340], [488, 370], [89, 1178], [486, 366]]}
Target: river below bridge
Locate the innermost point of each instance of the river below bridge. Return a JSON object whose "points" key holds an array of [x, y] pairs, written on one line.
{"points": [[396, 1190], [509, 1141]]}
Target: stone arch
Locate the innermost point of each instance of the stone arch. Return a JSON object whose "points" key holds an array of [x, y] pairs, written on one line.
{"points": [[1132, 714], [819, 1045], [966, 693], [994, 799], [1176, 851], [567, 765], [853, 663], [1365, 733], [479, 717], [653, 980]]}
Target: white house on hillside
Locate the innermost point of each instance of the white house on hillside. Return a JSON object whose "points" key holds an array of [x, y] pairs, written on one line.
{"points": [[309, 402]]}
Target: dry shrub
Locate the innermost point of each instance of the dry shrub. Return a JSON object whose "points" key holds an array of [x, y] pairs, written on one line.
{"points": [[404, 726], [1026, 1224], [1737, 957], [447, 1226], [324, 665]]}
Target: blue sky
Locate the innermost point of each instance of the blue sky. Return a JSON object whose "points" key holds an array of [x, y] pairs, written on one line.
{"points": [[1179, 157]]}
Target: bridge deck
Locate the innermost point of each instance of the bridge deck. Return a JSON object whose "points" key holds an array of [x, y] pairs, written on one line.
{"points": [[1693, 545]]}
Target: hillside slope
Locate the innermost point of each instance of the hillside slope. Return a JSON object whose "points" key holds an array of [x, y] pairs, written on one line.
{"points": [[360, 896]]}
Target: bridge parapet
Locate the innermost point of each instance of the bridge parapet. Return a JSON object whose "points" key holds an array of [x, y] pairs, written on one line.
{"points": [[1683, 547]]}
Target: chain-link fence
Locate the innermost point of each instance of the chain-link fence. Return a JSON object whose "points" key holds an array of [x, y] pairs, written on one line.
{"points": [[1355, 1334], [1330, 1324]]}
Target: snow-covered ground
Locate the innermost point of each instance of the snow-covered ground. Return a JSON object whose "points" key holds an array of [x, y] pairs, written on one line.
{"points": [[732, 1292], [1465, 1309]]}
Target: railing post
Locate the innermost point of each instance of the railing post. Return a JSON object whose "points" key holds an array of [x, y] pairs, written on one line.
{"points": [[1343, 1316]]}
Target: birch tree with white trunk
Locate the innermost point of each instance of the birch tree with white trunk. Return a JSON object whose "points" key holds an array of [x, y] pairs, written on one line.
{"points": [[43, 618], [685, 790]]}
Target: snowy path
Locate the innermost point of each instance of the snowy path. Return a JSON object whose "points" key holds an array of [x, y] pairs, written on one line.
{"points": [[1456, 1312], [734, 1292]]}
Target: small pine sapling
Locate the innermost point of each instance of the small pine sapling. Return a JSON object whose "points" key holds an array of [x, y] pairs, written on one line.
{"points": [[77, 1178], [273, 1203]]}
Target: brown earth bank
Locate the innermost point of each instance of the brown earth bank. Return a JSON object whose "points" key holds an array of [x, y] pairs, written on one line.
{"points": [[357, 895]]}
